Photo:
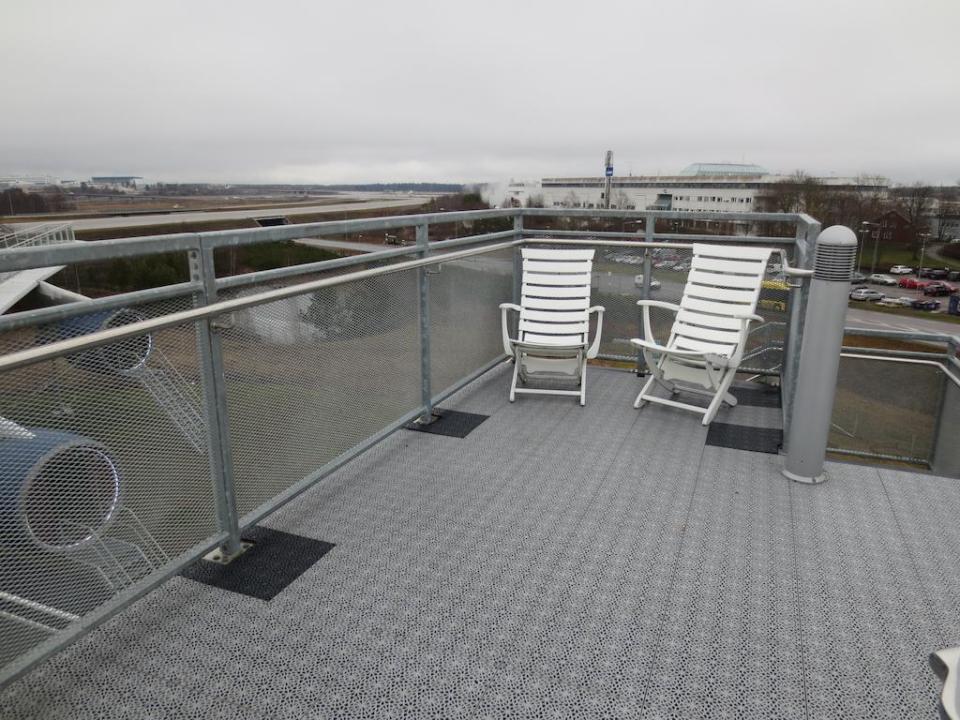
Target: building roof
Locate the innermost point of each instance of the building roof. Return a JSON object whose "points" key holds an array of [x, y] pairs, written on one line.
{"points": [[713, 169]]}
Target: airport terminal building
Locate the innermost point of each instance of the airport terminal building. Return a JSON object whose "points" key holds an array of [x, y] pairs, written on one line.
{"points": [[723, 187]]}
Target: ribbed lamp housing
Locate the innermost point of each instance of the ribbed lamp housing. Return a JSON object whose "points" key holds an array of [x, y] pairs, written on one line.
{"points": [[836, 254]]}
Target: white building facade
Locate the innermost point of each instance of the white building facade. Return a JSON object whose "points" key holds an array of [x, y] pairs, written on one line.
{"points": [[703, 187]]}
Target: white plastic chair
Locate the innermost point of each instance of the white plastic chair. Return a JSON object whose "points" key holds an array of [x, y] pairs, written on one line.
{"points": [[946, 665], [554, 321], [710, 329]]}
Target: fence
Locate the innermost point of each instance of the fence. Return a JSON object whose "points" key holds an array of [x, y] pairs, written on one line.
{"points": [[899, 403], [140, 431]]}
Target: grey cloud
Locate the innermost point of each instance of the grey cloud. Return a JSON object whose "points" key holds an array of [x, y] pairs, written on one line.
{"points": [[307, 91]]}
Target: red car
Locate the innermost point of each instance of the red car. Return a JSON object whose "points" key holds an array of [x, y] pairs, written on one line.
{"points": [[939, 288], [912, 283]]}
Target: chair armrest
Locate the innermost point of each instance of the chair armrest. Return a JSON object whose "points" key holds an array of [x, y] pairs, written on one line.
{"points": [[646, 305], [749, 317], [507, 349], [711, 358], [658, 303], [595, 347]]}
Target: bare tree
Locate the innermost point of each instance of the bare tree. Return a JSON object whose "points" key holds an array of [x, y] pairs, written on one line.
{"points": [[914, 202]]}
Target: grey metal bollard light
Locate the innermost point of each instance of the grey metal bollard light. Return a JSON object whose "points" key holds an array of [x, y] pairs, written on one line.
{"points": [[820, 355]]}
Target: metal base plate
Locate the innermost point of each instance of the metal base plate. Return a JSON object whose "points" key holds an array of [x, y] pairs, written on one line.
{"points": [[451, 423], [757, 397], [274, 560], [745, 437]]}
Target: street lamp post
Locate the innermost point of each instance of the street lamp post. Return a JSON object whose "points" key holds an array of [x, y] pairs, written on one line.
{"points": [[923, 248], [876, 243], [860, 249]]}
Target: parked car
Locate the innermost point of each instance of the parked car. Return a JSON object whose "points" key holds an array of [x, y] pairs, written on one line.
{"points": [[953, 275], [934, 273], [867, 294], [654, 283], [894, 301], [774, 268], [901, 270], [663, 265], [775, 297], [882, 279], [681, 267], [911, 283], [925, 304], [857, 277], [939, 287]]}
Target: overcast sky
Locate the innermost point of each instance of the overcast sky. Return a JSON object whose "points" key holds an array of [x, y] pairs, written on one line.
{"points": [[280, 91]]}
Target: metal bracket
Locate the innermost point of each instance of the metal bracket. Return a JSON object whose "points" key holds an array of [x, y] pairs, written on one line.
{"points": [[221, 557], [224, 322]]}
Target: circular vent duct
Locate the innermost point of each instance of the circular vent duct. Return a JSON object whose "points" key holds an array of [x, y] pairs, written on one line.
{"points": [[56, 489], [122, 357]]}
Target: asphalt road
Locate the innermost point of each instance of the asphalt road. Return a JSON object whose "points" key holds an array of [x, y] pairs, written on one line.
{"points": [[874, 320], [175, 218]]}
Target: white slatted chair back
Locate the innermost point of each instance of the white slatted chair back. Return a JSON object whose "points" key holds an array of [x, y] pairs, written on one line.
{"points": [[555, 297], [723, 285]]}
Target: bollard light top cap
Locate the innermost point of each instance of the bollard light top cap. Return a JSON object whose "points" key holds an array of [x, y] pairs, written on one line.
{"points": [[838, 236]]}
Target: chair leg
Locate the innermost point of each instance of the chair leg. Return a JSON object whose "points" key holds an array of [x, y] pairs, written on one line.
{"points": [[719, 398], [583, 382], [730, 399], [516, 372], [639, 402]]}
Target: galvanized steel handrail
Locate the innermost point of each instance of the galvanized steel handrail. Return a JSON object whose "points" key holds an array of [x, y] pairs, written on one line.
{"points": [[105, 337], [25, 259]]}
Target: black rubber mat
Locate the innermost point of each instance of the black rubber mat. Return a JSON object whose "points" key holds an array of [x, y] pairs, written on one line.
{"points": [[745, 437], [757, 397], [275, 560], [451, 423]]}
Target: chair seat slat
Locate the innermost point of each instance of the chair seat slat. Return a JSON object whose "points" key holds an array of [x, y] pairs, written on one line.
{"points": [[733, 252], [554, 328], [722, 294], [539, 303], [556, 340], [697, 332], [712, 321], [744, 282], [682, 343], [580, 279], [554, 316], [537, 266], [549, 254], [547, 291], [700, 305], [728, 266]]}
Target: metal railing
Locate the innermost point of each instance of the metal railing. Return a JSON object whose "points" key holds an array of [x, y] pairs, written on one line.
{"points": [[899, 403], [36, 236], [279, 376]]}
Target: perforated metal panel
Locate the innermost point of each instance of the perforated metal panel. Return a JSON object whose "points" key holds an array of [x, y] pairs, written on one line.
{"points": [[465, 296], [104, 472], [887, 408], [310, 377]]}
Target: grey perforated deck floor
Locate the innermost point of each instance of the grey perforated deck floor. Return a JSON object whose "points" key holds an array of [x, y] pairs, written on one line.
{"points": [[558, 562]]}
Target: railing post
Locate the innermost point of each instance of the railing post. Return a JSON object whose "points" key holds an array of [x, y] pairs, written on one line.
{"points": [[649, 233], [215, 405], [805, 243], [945, 453], [517, 259], [423, 284]]}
